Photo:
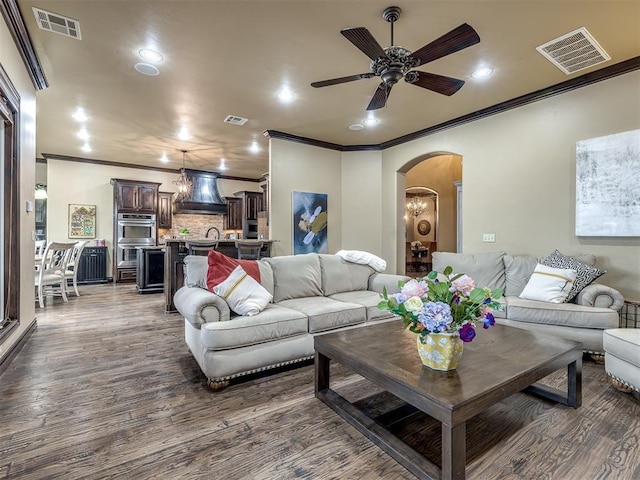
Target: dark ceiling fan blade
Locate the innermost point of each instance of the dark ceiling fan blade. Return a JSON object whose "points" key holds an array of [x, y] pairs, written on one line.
{"points": [[457, 39], [380, 97], [362, 38], [437, 83], [336, 81]]}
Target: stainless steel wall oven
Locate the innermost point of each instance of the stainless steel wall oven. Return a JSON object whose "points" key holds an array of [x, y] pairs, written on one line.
{"points": [[134, 230]]}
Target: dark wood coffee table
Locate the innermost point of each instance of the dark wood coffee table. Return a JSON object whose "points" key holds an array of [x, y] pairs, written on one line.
{"points": [[498, 363]]}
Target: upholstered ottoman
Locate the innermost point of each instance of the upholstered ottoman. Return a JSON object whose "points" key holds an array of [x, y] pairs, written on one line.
{"points": [[622, 357]]}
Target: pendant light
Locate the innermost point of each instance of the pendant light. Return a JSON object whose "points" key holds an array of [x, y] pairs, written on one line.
{"points": [[183, 183]]}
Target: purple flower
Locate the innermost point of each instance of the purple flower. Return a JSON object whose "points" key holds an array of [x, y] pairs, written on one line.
{"points": [[467, 332], [435, 316], [488, 321]]}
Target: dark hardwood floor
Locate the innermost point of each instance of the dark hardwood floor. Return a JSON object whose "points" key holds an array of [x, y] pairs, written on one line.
{"points": [[106, 388]]}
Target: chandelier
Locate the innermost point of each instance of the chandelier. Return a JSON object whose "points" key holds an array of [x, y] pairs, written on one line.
{"points": [[416, 206], [183, 183]]}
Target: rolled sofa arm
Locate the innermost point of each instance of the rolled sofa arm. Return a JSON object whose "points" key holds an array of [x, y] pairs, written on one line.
{"points": [[597, 295], [200, 306], [378, 281]]}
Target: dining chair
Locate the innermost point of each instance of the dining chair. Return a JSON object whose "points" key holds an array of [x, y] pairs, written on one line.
{"points": [[71, 272], [249, 249], [50, 277], [200, 247], [40, 246]]}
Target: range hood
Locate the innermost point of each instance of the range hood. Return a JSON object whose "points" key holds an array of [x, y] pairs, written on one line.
{"points": [[205, 198]]}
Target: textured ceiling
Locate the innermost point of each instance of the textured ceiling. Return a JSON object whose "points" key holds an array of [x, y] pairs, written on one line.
{"points": [[230, 57]]}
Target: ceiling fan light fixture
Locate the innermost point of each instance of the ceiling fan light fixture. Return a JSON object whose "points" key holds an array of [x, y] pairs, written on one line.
{"points": [[370, 121], [79, 115]]}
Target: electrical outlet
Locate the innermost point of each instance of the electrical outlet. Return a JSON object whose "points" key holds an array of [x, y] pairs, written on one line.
{"points": [[489, 237]]}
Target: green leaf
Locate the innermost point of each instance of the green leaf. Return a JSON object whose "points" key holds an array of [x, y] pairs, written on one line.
{"points": [[477, 296], [497, 293], [432, 275], [448, 271]]}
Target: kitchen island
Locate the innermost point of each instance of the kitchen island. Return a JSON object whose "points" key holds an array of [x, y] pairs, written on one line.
{"points": [[176, 250]]}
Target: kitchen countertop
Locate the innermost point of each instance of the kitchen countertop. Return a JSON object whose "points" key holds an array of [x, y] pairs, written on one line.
{"points": [[225, 241], [150, 247]]}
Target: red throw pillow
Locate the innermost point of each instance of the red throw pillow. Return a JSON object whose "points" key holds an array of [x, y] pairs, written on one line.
{"points": [[221, 266]]}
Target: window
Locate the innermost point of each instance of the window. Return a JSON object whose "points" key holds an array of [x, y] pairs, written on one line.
{"points": [[9, 180]]}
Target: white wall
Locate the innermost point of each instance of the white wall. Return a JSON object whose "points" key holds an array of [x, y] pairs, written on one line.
{"points": [[14, 67], [89, 183], [519, 177], [301, 168]]}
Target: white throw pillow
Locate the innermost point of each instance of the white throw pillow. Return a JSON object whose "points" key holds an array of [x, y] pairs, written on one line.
{"points": [[244, 295], [549, 284]]}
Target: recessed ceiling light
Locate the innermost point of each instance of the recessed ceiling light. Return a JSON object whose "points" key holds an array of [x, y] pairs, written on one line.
{"points": [[146, 69], [371, 121], [83, 134], [183, 134], [222, 165], [482, 72], [254, 147], [79, 115], [150, 55], [164, 158], [356, 126], [86, 147], [286, 95]]}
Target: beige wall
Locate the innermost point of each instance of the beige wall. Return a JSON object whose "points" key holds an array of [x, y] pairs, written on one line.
{"points": [[519, 177], [12, 64], [88, 183], [296, 167]]}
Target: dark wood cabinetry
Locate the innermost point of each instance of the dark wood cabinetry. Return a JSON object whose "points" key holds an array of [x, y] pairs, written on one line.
{"points": [[234, 213], [135, 196], [92, 266], [251, 204], [165, 203], [150, 270]]}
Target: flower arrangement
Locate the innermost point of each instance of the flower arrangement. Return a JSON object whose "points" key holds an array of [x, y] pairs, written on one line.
{"points": [[443, 303]]}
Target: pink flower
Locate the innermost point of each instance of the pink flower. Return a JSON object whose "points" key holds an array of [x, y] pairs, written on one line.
{"points": [[463, 285], [485, 310], [414, 288]]}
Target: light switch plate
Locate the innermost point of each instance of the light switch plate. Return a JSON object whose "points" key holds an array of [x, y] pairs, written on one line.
{"points": [[29, 206], [489, 237]]}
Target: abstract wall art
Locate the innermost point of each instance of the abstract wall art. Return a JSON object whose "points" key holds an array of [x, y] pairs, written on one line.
{"points": [[608, 185], [309, 222]]}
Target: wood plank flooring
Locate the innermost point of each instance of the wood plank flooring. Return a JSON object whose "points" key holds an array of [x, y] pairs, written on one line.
{"points": [[106, 388]]}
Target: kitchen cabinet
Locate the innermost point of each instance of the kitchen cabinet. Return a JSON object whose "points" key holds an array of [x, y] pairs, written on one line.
{"points": [[251, 205], [150, 270], [234, 213], [165, 204], [135, 196]]}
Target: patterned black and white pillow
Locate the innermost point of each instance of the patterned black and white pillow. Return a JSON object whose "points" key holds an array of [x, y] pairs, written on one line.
{"points": [[585, 274]]}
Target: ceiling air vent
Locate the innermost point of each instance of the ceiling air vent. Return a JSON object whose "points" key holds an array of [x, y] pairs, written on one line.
{"points": [[55, 23], [236, 120], [574, 51]]}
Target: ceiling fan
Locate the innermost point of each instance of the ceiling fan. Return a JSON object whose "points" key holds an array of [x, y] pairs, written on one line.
{"points": [[393, 63]]}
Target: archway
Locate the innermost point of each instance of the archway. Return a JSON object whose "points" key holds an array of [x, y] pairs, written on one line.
{"points": [[435, 172]]}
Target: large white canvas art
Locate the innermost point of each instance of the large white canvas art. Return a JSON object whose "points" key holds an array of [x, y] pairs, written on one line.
{"points": [[608, 186]]}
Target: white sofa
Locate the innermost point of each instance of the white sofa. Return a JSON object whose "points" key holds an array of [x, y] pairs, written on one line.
{"points": [[594, 310], [312, 294]]}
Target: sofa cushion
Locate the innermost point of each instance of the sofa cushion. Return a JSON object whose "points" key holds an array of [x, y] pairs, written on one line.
{"points": [[585, 274], [273, 323], [486, 269], [339, 275], [221, 266], [369, 300], [624, 343], [518, 270], [295, 276], [244, 295], [326, 313], [560, 314], [195, 271], [548, 284]]}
